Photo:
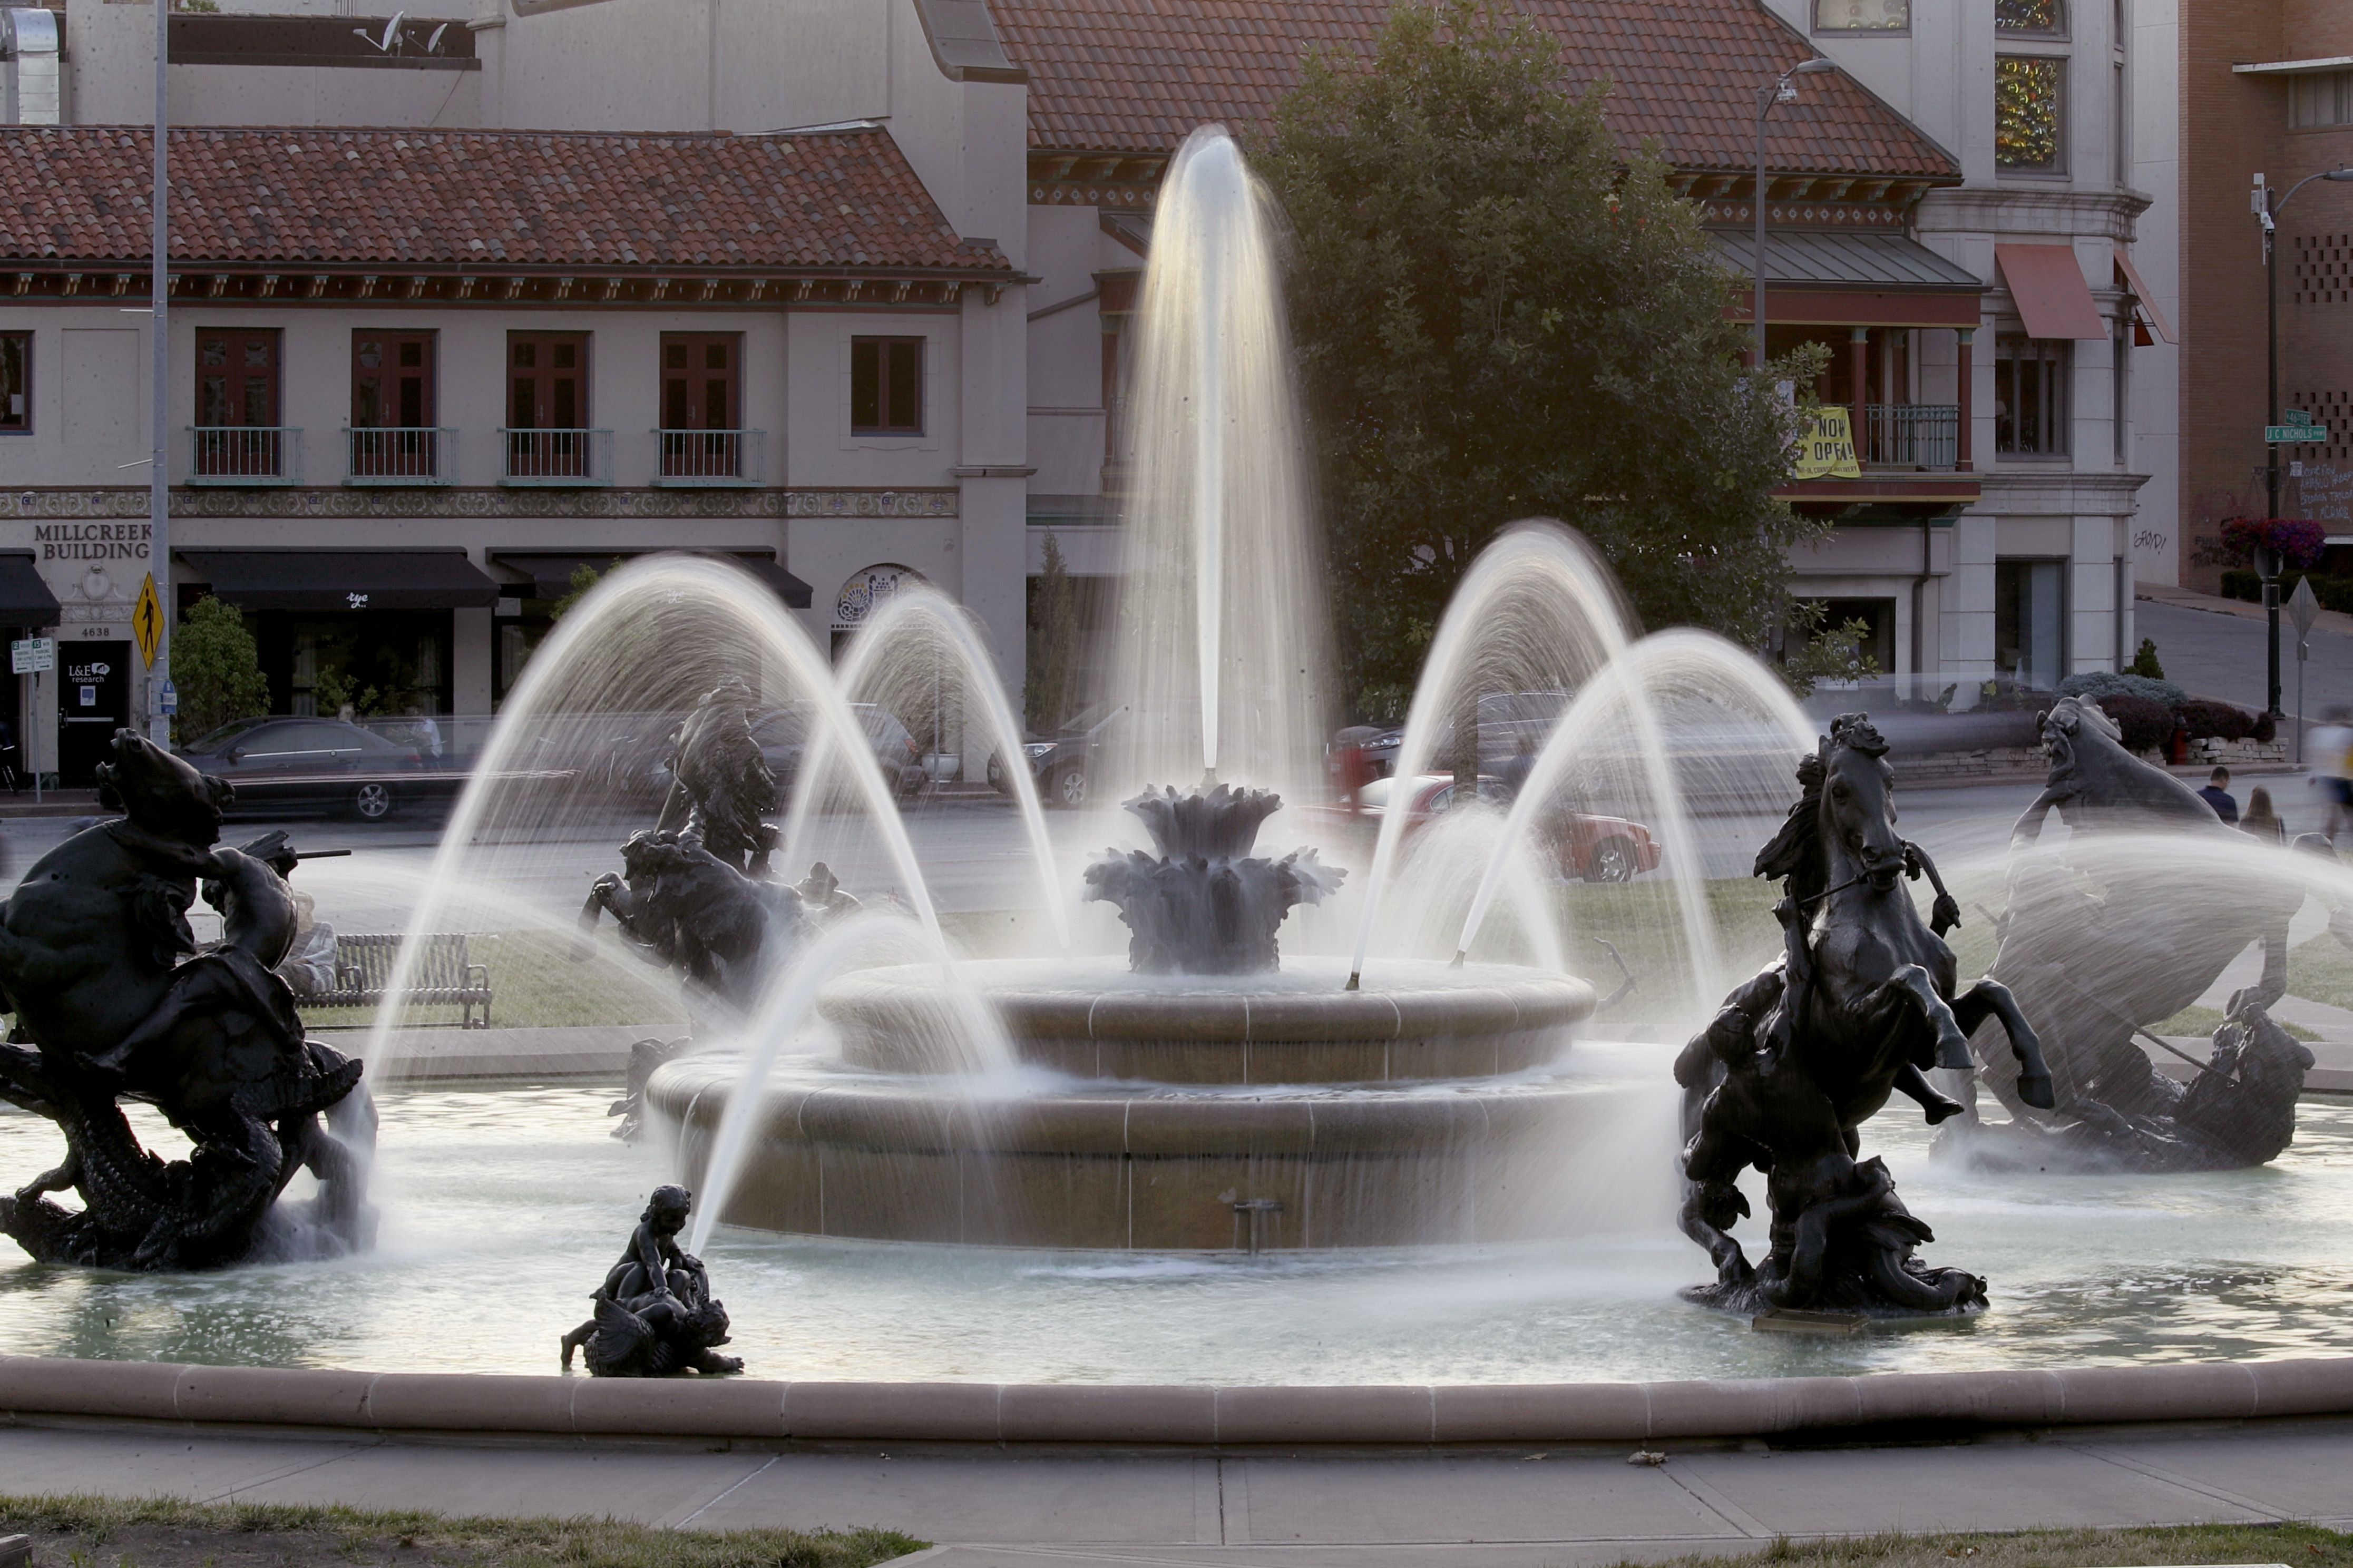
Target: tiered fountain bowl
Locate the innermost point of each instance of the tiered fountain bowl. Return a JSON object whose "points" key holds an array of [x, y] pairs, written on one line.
{"points": [[1206, 1113]]}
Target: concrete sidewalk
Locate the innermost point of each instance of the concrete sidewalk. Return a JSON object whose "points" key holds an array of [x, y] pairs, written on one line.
{"points": [[1513, 1509]]}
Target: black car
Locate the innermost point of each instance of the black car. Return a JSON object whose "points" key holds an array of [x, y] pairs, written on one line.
{"points": [[317, 765], [782, 734], [1062, 766]]}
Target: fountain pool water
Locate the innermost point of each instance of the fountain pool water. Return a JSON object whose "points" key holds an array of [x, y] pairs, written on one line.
{"points": [[502, 1204]]}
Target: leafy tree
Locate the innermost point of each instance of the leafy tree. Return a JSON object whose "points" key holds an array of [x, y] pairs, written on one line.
{"points": [[1053, 644], [1498, 319], [1818, 651], [2144, 662], [217, 665], [583, 577]]}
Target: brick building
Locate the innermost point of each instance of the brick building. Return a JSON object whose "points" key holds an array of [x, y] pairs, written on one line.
{"points": [[2265, 87]]}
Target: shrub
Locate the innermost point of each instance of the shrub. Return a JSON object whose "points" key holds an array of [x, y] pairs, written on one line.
{"points": [[2265, 731], [2145, 661], [217, 665], [2100, 685], [2216, 721], [2147, 725]]}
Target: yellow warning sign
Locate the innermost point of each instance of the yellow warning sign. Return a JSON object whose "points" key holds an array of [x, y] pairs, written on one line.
{"points": [[147, 621]]}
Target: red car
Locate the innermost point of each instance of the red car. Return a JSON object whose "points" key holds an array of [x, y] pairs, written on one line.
{"points": [[1595, 849]]}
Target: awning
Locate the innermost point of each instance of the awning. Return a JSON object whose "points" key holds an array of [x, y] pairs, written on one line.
{"points": [[2049, 289], [344, 579], [24, 599], [550, 573], [2142, 296], [1856, 260]]}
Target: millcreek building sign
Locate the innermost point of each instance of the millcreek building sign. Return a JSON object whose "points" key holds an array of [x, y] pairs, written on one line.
{"points": [[93, 541]]}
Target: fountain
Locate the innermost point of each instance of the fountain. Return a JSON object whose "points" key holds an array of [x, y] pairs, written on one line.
{"points": [[1227, 1085]]}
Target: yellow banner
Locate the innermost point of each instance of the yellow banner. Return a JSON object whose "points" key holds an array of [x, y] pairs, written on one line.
{"points": [[1827, 449]]}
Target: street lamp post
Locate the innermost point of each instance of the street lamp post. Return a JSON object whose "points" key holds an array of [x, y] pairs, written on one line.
{"points": [[2267, 210], [159, 476], [1783, 91]]}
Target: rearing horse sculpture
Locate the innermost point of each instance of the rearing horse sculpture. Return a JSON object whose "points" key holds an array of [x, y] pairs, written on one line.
{"points": [[1863, 998]]}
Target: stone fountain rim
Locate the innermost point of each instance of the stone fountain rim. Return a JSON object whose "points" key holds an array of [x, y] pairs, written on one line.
{"points": [[1179, 1416], [1518, 1000]]}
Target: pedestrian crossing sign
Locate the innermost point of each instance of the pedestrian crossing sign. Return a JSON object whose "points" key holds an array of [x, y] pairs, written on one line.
{"points": [[147, 621]]}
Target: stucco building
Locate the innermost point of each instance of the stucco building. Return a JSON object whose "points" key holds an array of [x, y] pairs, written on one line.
{"points": [[847, 294]]}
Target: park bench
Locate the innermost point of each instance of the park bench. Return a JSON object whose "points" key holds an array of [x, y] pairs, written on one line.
{"points": [[442, 977]]}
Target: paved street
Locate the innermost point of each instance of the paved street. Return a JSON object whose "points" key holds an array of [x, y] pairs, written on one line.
{"points": [[2218, 647], [992, 1508]]}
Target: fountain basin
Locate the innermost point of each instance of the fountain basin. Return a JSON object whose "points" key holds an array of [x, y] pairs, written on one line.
{"points": [[1138, 1167], [1093, 1018]]}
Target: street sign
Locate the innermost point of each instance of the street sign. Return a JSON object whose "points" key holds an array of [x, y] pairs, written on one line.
{"points": [[33, 655], [171, 696], [147, 620], [2295, 435], [2306, 608], [2296, 416]]}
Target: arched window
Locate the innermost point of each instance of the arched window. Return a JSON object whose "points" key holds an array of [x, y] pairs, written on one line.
{"points": [[1862, 15]]}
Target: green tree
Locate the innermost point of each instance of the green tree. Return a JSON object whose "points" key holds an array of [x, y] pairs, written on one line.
{"points": [[1497, 318], [1053, 644], [1818, 651], [217, 665], [583, 577]]}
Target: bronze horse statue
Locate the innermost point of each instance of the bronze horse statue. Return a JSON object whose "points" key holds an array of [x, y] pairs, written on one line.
{"points": [[2137, 917], [1864, 999]]}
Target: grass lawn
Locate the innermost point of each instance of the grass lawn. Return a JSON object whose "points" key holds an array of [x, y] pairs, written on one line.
{"points": [[2201, 1544], [537, 983], [105, 1532]]}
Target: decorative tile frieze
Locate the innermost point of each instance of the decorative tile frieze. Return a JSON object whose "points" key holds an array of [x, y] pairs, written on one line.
{"points": [[339, 503]]}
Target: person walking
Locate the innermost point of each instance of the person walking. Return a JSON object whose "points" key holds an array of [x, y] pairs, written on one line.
{"points": [[2216, 794], [2262, 819], [2331, 747]]}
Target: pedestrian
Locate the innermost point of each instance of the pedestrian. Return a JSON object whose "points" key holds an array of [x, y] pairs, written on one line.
{"points": [[2216, 794], [2262, 819], [428, 733], [2329, 746]]}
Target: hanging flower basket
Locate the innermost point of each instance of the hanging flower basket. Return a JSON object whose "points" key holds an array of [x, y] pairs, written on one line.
{"points": [[2298, 540]]}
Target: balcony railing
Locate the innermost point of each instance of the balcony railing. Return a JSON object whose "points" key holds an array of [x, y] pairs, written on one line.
{"points": [[1910, 435], [400, 455], [687, 459], [556, 457], [245, 455]]}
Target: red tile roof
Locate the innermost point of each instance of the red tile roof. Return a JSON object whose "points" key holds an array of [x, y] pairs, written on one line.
{"points": [[1138, 75], [844, 200]]}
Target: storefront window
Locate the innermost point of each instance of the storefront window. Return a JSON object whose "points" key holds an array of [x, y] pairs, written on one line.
{"points": [[1862, 15], [2030, 623], [2047, 17], [379, 663], [2029, 113], [15, 382], [2030, 396]]}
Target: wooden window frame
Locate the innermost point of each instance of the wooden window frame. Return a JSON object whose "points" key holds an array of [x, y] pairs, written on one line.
{"points": [[882, 348], [17, 420], [235, 391], [2054, 362], [429, 395], [689, 342]]}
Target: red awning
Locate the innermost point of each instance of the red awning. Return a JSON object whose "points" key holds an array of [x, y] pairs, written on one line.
{"points": [[2141, 294], [2050, 291]]}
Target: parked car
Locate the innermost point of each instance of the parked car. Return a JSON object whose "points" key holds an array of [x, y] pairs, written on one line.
{"points": [[1509, 723], [1062, 766], [292, 762], [1584, 845], [782, 736]]}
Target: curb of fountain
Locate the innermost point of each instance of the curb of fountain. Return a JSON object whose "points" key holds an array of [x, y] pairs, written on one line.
{"points": [[443, 1404]]}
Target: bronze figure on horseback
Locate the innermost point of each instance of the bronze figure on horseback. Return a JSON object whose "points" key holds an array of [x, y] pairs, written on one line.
{"points": [[1863, 999]]}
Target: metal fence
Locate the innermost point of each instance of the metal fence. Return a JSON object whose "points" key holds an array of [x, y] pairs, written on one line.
{"points": [[1912, 435], [400, 455], [245, 455], [557, 457], [707, 457]]}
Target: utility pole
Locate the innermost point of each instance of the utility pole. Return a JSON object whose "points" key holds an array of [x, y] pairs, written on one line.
{"points": [[159, 477], [2267, 209], [1783, 91]]}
